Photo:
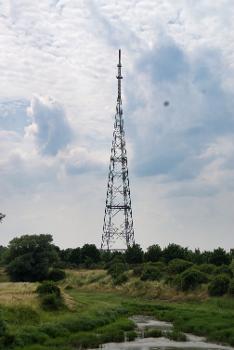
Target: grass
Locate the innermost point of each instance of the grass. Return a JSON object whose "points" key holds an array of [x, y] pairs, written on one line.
{"points": [[97, 312]]}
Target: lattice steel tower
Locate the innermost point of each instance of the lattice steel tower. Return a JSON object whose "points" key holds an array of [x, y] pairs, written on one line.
{"points": [[118, 222]]}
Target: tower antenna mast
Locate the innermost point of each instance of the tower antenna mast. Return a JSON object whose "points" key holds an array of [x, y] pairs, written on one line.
{"points": [[118, 221]]}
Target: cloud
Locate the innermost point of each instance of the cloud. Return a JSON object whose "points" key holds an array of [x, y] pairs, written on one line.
{"points": [[50, 126], [170, 140]]}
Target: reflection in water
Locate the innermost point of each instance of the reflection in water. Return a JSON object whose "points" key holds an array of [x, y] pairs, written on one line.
{"points": [[142, 322]]}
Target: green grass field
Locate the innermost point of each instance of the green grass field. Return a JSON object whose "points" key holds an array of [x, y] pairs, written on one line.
{"points": [[97, 312]]}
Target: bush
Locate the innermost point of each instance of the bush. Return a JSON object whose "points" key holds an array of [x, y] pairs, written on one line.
{"points": [[137, 270], [48, 287], [116, 269], [178, 266], [219, 285], [56, 275], [231, 287], [131, 335], [151, 273], [224, 269], [206, 268], [3, 327], [190, 279], [120, 279], [176, 335], [54, 330], [51, 302]]}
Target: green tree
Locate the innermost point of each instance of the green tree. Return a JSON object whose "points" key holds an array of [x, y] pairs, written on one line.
{"points": [[174, 251], [154, 253], [29, 257], [89, 252], [176, 266], [134, 254], [220, 257]]}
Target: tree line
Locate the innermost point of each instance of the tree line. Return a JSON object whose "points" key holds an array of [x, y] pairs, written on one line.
{"points": [[33, 257]]}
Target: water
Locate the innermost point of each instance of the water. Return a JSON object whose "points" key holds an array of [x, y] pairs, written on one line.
{"points": [[193, 342]]}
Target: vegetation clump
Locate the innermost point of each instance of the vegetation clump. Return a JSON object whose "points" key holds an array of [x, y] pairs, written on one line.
{"points": [[151, 273], [50, 296], [176, 335], [219, 285], [190, 279], [153, 333], [56, 275], [231, 287]]}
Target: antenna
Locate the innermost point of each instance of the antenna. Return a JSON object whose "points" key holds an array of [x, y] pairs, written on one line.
{"points": [[118, 222], [119, 77]]}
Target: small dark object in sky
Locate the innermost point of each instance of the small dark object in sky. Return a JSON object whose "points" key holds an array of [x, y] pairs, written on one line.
{"points": [[166, 103]]}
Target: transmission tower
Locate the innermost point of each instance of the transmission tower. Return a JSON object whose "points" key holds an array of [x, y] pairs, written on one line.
{"points": [[118, 222]]}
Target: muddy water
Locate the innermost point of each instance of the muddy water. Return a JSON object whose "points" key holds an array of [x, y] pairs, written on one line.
{"points": [[193, 342]]}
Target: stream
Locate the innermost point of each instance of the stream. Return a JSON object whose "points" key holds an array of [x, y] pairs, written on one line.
{"points": [[144, 322]]}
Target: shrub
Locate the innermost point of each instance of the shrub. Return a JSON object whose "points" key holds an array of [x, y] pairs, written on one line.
{"points": [[134, 254], [54, 330], [56, 275], [137, 270], [224, 269], [219, 285], [178, 266], [116, 269], [120, 279], [206, 268], [190, 279], [176, 335], [48, 287], [131, 335], [231, 287], [51, 302], [151, 273], [3, 327]]}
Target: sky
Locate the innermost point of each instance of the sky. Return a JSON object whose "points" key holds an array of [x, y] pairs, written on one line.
{"points": [[58, 92]]}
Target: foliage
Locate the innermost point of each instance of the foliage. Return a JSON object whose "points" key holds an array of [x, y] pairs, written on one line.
{"points": [[90, 251], [56, 275], [154, 253], [116, 269], [134, 254], [206, 268], [29, 257], [50, 296], [150, 273], [3, 327], [51, 302], [224, 269], [174, 251], [137, 270], [232, 266], [231, 287], [219, 285], [176, 335], [176, 266], [190, 279], [220, 257], [120, 279], [48, 287]]}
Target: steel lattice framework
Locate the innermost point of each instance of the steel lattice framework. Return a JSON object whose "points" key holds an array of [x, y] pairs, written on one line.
{"points": [[118, 222]]}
